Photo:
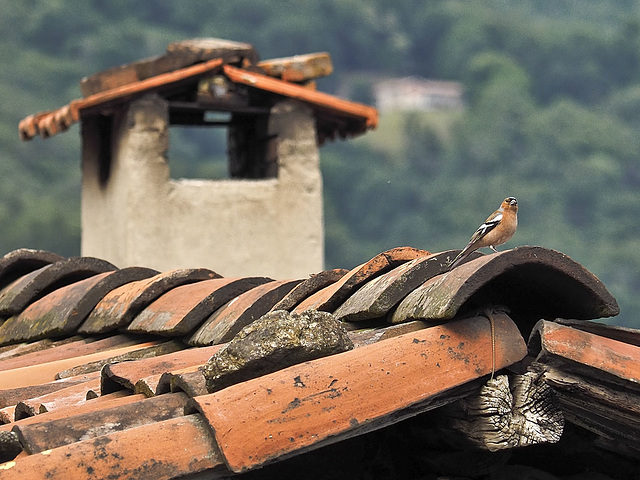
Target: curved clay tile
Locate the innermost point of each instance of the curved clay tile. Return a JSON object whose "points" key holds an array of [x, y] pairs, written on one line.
{"points": [[329, 298], [236, 314], [61, 312], [308, 287], [532, 280], [32, 286], [19, 262], [184, 308], [381, 294], [118, 308]]}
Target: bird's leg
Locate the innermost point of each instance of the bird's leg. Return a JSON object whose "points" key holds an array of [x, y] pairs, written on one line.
{"points": [[493, 248]]}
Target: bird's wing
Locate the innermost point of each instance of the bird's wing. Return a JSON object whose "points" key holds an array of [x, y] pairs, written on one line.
{"points": [[489, 224]]}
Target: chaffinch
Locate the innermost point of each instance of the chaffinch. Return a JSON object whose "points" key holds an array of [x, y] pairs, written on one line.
{"points": [[498, 228]]}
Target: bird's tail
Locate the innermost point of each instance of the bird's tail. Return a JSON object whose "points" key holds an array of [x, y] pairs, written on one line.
{"points": [[461, 256]]}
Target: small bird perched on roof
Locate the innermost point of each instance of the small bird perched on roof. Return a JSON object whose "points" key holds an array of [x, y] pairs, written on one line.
{"points": [[498, 228]]}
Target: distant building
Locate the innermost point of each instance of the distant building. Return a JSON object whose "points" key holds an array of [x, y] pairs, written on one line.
{"points": [[416, 93]]}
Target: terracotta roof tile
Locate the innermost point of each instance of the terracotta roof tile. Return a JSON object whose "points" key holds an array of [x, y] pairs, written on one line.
{"points": [[67, 397], [329, 298], [160, 450], [613, 357], [151, 349], [127, 374], [77, 348], [55, 433], [118, 308], [522, 279], [381, 294], [11, 395], [190, 380], [32, 286], [16, 350], [241, 311], [112, 400], [36, 374], [182, 309], [19, 262], [324, 400], [614, 332], [308, 287], [63, 310]]}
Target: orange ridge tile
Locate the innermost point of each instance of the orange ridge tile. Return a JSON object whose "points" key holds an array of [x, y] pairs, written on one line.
{"points": [[52, 122], [368, 115], [119, 307], [330, 297], [526, 274]]}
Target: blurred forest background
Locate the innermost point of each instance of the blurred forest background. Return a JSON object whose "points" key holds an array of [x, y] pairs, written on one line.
{"points": [[552, 91]]}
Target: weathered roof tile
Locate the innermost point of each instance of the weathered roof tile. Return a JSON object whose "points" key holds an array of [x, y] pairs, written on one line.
{"points": [[63, 431], [34, 375], [63, 310], [159, 450], [115, 399], [329, 298], [77, 348], [381, 294], [126, 374], [12, 395], [189, 380], [34, 285], [118, 308], [241, 311], [149, 350], [182, 309], [616, 358], [536, 280], [19, 262], [69, 396], [308, 287]]}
